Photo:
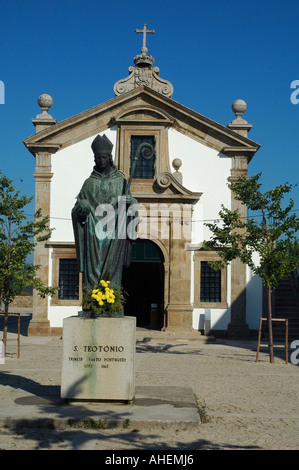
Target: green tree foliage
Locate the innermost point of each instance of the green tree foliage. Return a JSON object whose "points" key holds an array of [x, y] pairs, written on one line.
{"points": [[270, 232], [18, 237]]}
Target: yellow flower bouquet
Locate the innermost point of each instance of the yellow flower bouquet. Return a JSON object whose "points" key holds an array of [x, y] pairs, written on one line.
{"points": [[103, 301]]}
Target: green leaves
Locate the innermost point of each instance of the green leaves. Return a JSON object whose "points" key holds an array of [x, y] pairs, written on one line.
{"points": [[270, 231], [18, 237]]}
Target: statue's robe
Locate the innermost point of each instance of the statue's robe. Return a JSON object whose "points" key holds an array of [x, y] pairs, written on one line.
{"points": [[99, 255]]}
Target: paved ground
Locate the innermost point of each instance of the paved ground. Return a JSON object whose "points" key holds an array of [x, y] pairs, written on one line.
{"points": [[244, 405]]}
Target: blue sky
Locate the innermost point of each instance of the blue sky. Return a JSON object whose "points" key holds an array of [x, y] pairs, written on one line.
{"points": [[212, 51]]}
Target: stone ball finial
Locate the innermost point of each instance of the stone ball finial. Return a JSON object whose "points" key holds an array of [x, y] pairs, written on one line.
{"points": [[45, 102], [176, 163], [239, 107]]}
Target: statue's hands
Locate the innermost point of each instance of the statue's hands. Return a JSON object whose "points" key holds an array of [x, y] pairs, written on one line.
{"points": [[130, 200], [83, 209], [127, 200]]}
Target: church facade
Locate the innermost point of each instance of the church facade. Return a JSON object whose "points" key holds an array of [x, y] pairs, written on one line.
{"points": [[179, 186]]}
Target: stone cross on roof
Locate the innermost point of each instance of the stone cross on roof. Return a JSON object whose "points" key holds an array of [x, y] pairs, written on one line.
{"points": [[144, 74], [145, 31]]}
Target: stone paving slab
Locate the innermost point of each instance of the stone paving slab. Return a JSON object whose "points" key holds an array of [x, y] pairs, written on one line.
{"points": [[153, 406]]}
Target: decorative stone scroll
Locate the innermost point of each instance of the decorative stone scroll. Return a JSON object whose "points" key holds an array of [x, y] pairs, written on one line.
{"points": [[144, 74], [166, 179]]}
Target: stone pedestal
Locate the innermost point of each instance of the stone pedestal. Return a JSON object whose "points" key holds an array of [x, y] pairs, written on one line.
{"points": [[98, 358]]}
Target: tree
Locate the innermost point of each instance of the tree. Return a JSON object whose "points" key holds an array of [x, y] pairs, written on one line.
{"points": [[18, 237], [269, 231]]}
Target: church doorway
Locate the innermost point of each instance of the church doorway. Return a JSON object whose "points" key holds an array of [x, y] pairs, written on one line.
{"points": [[143, 281]]}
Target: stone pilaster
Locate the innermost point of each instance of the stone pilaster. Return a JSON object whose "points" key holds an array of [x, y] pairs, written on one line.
{"points": [[40, 325], [179, 310], [238, 326]]}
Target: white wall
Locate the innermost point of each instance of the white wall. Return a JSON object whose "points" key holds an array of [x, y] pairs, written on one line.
{"points": [[207, 171], [220, 317], [204, 170], [57, 314], [70, 167]]}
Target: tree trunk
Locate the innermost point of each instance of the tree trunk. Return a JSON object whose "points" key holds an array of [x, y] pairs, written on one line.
{"points": [[271, 349], [4, 339]]}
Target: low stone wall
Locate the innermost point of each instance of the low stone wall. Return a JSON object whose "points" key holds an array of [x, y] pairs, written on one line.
{"points": [[21, 301]]}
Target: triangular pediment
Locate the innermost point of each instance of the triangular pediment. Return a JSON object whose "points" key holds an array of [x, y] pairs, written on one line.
{"points": [[140, 104]]}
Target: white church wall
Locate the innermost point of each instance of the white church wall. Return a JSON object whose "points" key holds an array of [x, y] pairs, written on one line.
{"points": [[57, 314], [219, 317], [70, 167], [204, 170]]}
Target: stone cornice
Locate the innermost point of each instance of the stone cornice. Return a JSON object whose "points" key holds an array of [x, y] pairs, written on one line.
{"points": [[183, 119], [192, 117], [142, 114], [42, 147], [166, 198], [43, 177], [57, 244], [247, 152]]}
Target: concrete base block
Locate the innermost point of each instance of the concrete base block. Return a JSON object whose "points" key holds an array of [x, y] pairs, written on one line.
{"points": [[98, 358]]}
